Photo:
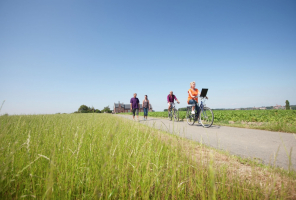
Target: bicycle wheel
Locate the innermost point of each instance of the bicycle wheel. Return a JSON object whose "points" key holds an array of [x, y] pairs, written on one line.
{"points": [[170, 115], [176, 115], [206, 117], [190, 117]]}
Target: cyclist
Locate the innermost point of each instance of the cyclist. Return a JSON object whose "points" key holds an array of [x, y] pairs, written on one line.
{"points": [[193, 98], [170, 99]]}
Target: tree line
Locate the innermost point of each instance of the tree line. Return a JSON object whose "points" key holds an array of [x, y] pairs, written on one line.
{"points": [[87, 109]]}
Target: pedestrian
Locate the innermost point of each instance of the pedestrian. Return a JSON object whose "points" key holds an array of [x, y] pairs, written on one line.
{"points": [[135, 106], [146, 106]]}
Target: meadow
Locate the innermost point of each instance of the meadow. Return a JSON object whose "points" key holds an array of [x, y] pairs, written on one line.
{"points": [[273, 120], [102, 156]]}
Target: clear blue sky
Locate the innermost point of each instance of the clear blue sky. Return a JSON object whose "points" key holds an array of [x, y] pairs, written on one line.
{"points": [[58, 55]]}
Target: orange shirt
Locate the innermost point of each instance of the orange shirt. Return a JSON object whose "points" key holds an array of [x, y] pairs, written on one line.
{"points": [[193, 93]]}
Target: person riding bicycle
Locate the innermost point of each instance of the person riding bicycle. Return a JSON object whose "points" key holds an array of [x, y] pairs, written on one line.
{"points": [[170, 99], [193, 98]]}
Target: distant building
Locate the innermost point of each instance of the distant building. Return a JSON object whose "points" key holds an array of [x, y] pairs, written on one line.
{"points": [[279, 107], [262, 108], [122, 108]]}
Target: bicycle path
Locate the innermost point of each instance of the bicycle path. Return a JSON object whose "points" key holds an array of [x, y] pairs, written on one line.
{"points": [[247, 143]]}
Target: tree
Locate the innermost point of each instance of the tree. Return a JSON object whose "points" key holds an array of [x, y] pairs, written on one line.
{"points": [[91, 110], [86, 109], [269, 107], [83, 109], [287, 105], [106, 109]]}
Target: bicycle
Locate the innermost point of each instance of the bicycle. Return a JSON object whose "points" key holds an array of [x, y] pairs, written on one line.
{"points": [[173, 112], [206, 115]]}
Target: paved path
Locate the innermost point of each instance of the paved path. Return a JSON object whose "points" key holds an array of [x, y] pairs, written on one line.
{"points": [[250, 143]]}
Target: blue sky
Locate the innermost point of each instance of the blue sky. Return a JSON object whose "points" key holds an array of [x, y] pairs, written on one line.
{"points": [[58, 55]]}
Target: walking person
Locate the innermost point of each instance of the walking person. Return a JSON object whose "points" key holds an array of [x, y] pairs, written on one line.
{"points": [[146, 106], [135, 105], [193, 99]]}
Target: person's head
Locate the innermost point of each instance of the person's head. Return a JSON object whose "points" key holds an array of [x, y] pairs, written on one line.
{"points": [[171, 93], [192, 84], [146, 97], [135, 95]]}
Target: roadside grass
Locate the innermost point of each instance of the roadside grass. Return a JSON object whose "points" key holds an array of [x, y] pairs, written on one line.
{"points": [[268, 126], [101, 156]]}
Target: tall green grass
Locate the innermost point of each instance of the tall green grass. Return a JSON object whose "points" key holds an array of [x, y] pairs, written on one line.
{"points": [[100, 156]]}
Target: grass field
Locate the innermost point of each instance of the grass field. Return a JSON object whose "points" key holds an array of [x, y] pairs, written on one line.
{"points": [[273, 120], [101, 156]]}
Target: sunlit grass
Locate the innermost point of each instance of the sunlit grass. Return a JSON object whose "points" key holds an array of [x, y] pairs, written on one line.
{"points": [[101, 156]]}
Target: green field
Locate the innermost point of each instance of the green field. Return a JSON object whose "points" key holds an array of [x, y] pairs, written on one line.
{"points": [[101, 156], [274, 120]]}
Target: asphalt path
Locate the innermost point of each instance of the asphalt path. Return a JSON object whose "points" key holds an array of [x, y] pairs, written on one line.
{"points": [[261, 145]]}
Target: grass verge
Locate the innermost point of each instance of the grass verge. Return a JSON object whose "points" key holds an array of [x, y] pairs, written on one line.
{"points": [[268, 126], [100, 156]]}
